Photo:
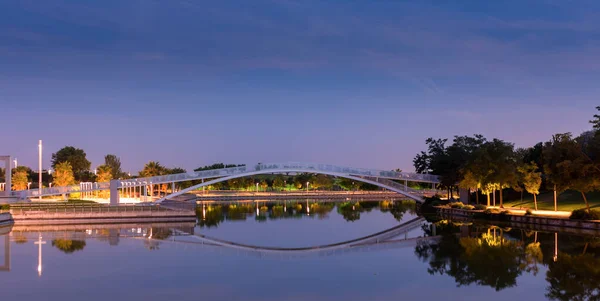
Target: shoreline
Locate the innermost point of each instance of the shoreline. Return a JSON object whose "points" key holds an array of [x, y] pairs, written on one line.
{"points": [[541, 221]]}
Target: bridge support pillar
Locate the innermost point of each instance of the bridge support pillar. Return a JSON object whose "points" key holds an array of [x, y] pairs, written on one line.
{"points": [[464, 195], [7, 174], [405, 185], [173, 187], [114, 193]]}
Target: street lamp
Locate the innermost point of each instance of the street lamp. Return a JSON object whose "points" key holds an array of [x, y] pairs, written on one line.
{"points": [[256, 186], [50, 184], [307, 186], [40, 170], [28, 185], [16, 163]]}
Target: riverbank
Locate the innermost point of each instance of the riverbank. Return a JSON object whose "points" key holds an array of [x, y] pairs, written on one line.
{"points": [[41, 214], [230, 196], [511, 217], [5, 219]]}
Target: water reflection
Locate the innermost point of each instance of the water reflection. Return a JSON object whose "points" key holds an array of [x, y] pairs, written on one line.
{"points": [[494, 256], [212, 214], [402, 257]]}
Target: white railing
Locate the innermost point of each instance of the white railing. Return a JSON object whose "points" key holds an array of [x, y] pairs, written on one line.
{"points": [[224, 172], [281, 167]]}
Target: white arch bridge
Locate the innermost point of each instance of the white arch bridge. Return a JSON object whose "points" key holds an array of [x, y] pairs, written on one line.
{"points": [[391, 180]]}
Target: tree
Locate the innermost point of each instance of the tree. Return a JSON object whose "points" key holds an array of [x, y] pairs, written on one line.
{"points": [[152, 169], [63, 174], [531, 179], [502, 162], [322, 182], [104, 173], [567, 167], [20, 180], [264, 185], [114, 163], [596, 120], [448, 161], [470, 181], [77, 158], [278, 182]]}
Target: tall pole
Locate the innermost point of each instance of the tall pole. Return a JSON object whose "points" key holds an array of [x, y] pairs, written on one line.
{"points": [[40, 171], [555, 203]]}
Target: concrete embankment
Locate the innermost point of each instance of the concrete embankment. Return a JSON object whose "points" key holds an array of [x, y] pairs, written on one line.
{"points": [[5, 219], [100, 216], [537, 222], [290, 196]]}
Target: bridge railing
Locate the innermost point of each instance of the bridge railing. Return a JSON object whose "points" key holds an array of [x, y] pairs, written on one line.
{"points": [[57, 190], [350, 170]]}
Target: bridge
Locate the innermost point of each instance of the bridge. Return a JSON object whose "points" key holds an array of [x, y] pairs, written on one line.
{"points": [[391, 180]]}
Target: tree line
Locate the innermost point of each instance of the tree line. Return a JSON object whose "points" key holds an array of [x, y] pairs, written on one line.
{"points": [[565, 162]]}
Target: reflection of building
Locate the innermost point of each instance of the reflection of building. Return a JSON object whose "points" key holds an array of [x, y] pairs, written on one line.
{"points": [[6, 266]]}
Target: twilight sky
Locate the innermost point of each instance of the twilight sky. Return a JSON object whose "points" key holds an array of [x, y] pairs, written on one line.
{"points": [[357, 83]]}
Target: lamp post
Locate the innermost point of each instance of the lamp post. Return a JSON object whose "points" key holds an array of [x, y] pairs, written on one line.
{"points": [[307, 186], [50, 184], [16, 163], [40, 170], [257, 187], [28, 185]]}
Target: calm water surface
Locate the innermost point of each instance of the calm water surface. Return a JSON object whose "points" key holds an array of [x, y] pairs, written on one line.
{"points": [[268, 251]]}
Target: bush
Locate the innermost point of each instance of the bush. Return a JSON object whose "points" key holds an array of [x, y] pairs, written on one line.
{"points": [[583, 214], [528, 212], [468, 207], [480, 207], [4, 207], [457, 205], [436, 203]]}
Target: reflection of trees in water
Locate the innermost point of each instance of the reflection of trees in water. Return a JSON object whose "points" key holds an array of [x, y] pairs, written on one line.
{"points": [[496, 258], [68, 246], [349, 210], [489, 260], [574, 277], [210, 216], [213, 215]]}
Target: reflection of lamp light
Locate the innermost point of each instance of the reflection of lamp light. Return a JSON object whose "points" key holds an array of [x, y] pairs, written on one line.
{"points": [[555, 258], [40, 242]]}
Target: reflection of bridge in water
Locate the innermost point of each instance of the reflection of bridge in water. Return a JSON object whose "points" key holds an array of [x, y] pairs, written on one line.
{"points": [[181, 235]]}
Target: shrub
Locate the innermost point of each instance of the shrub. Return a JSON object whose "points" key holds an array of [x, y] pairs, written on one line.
{"points": [[480, 207], [457, 205], [583, 214], [4, 207], [468, 207], [436, 203], [528, 212]]}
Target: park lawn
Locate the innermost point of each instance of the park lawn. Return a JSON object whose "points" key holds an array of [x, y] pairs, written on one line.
{"points": [[567, 201]]}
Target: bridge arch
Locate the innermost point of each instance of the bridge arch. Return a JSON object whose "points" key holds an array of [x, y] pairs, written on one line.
{"points": [[366, 241], [383, 183]]}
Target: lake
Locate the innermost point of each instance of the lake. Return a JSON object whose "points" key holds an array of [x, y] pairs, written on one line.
{"points": [[298, 250]]}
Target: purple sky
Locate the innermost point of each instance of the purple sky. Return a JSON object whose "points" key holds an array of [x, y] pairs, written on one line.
{"points": [[357, 83]]}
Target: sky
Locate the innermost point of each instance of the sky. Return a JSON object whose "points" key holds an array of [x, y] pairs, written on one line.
{"points": [[354, 83]]}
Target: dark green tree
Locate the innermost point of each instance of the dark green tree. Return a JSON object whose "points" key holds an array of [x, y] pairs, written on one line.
{"points": [[114, 163], [77, 158]]}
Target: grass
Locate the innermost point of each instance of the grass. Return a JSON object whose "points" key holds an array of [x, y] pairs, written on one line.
{"points": [[567, 201]]}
